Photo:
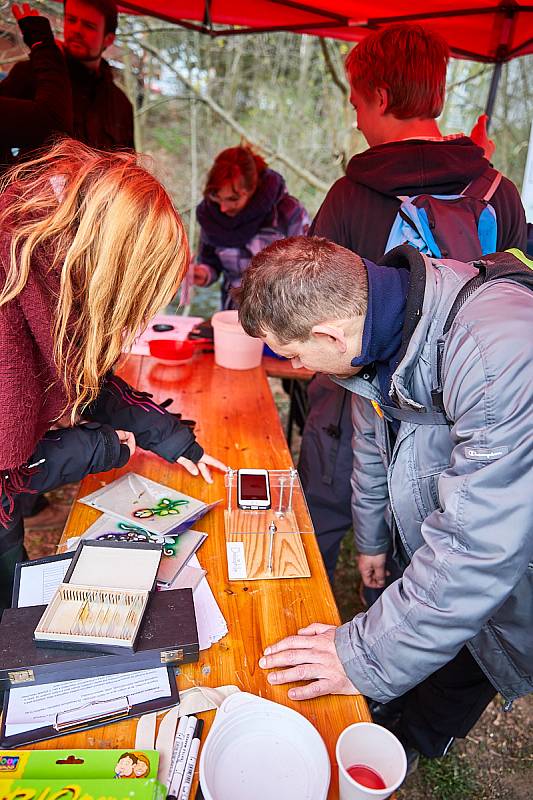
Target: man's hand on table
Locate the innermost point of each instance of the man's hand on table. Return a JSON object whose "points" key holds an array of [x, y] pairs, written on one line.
{"points": [[202, 466], [311, 655]]}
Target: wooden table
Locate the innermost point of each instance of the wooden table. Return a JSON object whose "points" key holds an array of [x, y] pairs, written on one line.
{"points": [[238, 423]]}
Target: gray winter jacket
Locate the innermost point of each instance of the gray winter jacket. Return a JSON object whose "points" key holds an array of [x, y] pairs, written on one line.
{"points": [[460, 498]]}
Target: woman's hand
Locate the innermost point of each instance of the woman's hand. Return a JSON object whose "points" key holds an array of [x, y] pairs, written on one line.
{"points": [[202, 467], [127, 438], [201, 275]]}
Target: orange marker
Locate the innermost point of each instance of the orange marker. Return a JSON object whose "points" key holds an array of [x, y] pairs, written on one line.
{"points": [[377, 409]]}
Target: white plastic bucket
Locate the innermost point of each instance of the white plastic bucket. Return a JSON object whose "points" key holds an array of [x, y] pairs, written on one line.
{"points": [[370, 745], [234, 349], [260, 750]]}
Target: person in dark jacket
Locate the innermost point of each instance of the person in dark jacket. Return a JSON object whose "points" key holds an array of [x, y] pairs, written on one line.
{"points": [[27, 123], [246, 207], [91, 248], [102, 114], [398, 80]]}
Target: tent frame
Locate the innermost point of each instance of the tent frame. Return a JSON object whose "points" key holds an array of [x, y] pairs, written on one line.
{"points": [[331, 21], [508, 9]]}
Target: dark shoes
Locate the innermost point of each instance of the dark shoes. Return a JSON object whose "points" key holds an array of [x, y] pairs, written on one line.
{"points": [[386, 714]]}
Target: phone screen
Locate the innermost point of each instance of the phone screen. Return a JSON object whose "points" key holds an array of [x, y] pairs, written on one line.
{"points": [[253, 487]]}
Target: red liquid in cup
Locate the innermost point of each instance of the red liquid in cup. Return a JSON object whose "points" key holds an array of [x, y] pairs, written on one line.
{"points": [[366, 776]]}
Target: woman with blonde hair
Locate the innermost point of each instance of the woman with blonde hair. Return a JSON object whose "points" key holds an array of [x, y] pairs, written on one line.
{"points": [[91, 247]]}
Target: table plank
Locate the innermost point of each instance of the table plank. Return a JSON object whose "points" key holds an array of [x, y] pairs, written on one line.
{"points": [[282, 368], [238, 423]]}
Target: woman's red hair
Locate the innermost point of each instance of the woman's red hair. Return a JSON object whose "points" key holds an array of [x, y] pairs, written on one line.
{"points": [[234, 165]]}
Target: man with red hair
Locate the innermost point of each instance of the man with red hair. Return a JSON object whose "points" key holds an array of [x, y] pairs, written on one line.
{"points": [[397, 81]]}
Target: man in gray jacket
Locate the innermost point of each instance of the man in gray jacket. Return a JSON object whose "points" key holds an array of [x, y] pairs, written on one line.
{"points": [[443, 464]]}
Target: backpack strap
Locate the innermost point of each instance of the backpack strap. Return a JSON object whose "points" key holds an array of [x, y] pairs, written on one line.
{"points": [[512, 265], [432, 417], [408, 257], [483, 188]]}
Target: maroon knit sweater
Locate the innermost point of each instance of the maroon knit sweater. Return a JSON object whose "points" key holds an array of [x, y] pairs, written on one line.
{"points": [[31, 392]]}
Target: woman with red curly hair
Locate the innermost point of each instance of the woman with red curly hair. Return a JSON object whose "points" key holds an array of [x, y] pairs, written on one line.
{"points": [[246, 207]]}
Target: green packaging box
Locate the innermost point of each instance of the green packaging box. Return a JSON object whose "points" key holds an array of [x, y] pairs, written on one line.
{"points": [[80, 775], [128, 789]]}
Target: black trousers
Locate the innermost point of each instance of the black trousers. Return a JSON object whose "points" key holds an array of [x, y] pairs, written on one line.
{"points": [[11, 551], [443, 707]]}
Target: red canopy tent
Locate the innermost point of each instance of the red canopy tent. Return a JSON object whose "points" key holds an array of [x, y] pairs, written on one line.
{"points": [[481, 30]]}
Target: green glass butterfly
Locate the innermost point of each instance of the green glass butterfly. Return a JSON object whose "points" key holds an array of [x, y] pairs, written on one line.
{"points": [[164, 508]]}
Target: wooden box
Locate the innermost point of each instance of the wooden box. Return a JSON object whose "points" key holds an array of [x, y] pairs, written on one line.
{"points": [[101, 603]]}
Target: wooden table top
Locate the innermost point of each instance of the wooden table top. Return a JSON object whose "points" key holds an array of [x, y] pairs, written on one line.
{"points": [[238, 423]]}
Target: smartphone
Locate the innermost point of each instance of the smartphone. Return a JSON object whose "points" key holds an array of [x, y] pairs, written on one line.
{"points": [[253, 489]]}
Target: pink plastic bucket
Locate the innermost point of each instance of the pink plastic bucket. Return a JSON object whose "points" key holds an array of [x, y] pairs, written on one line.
{"points": [[234, 349]]}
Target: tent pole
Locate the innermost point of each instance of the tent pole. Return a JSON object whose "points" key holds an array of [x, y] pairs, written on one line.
{"points": [[493, 90]]}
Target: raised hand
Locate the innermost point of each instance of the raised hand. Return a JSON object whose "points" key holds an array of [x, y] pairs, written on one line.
{"points": [[19, 12]]}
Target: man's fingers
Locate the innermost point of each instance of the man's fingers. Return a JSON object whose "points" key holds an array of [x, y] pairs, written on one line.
{"points": [[315, 628], [25, 11], [313, 689], [373, 583], [301, 672], [291, 643], [290, 658]]}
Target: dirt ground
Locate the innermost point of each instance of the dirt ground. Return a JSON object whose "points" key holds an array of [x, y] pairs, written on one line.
{"points": [[495, 762]]}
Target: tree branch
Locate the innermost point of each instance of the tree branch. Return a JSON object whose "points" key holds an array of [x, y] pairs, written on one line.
{"points": [[339, 83], [463, 82], [302, 172]]}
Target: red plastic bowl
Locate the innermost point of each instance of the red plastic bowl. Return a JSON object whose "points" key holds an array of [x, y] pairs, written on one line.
{"points": [[171, 351]]}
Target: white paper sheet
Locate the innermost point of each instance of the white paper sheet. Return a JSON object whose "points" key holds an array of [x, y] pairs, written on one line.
{"points": [[209, 618], [33, 707], [38, 583], [188, 578]]}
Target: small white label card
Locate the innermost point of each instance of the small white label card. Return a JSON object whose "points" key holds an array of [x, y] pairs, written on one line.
{"points": [[236, 561]]}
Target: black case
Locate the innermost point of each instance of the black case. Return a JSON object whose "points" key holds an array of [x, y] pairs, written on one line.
{"points": [[168, 636]]}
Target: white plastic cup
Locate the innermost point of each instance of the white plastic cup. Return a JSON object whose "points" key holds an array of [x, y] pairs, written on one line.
{"points": [[372, 746], [234, 349]]}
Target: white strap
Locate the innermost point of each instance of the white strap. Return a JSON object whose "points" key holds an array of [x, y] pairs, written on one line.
{"points": [[145, 735], [192, 701]]}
